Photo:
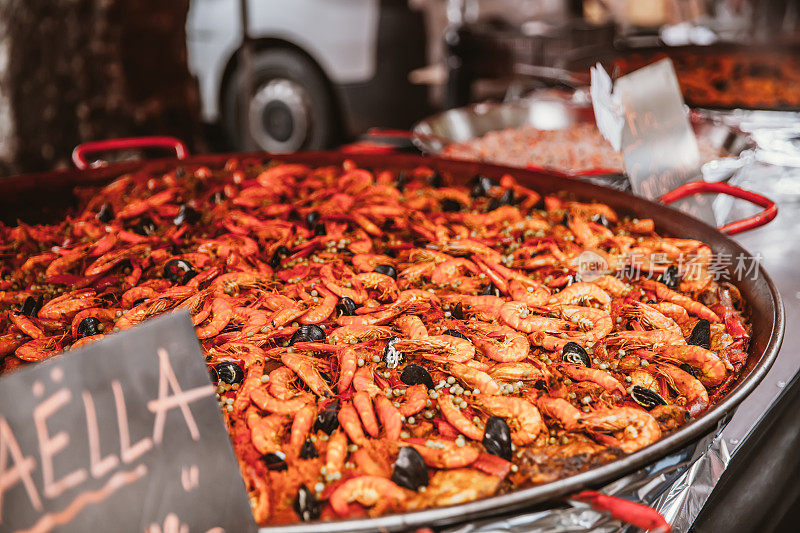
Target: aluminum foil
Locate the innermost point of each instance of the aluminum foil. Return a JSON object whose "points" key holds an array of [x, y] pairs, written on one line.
{"points": [[677, 486]]}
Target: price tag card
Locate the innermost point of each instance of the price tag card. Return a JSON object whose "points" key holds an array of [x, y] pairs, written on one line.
{"points": [[122, 435], [658, 144]]}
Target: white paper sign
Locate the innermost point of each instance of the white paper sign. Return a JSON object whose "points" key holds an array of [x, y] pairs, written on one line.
{"points": [[608, 111]]}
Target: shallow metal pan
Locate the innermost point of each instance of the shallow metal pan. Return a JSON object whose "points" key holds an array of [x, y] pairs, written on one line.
{"points": [[582, 64], [765, 308], [549, 111]]}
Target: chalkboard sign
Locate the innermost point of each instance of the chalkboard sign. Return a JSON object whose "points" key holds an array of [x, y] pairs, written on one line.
{"points": [[122, 435]]}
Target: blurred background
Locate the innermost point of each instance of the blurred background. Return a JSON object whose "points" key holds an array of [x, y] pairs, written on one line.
{"points": [[286, 75]]}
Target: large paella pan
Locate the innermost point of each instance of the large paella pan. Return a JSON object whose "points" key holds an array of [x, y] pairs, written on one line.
{"points": [[559, 351]]}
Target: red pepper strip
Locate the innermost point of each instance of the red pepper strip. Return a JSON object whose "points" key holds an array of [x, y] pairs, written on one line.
{"points": [[446, 430], [633, 513], [492, 465], [734, 326]]}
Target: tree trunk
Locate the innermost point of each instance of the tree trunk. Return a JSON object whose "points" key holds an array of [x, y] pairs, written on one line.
{"points": [[78, 70]]}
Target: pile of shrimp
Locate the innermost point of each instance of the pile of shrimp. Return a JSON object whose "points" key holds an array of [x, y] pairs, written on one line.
{"points": [[381, 341]]}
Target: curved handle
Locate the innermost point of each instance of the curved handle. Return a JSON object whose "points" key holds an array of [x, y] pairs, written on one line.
{"points": [[695, 187], [387, 132], [636, 514], [126, 143]]}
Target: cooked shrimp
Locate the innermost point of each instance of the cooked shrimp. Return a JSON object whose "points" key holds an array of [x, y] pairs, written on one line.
{"points": [[523, 417], [368, 491], [518, 316], [637, 428], [453, 348]]}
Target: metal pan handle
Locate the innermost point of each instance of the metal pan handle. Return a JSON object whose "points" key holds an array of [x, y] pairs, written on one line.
{"points": [[126, 143], [695, 187]]}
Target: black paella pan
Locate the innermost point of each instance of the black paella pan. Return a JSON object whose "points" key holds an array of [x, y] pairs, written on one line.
{"points": [[44, 197]]}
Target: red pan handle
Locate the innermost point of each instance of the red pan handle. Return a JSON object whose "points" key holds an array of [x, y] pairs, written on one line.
{"points": [[633, 513], [126, 143], [770, 209], [384, 132]]}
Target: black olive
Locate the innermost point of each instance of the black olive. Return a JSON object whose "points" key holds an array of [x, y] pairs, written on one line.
{"points": [[490, 289], [458, 311], [346, 307], [138, 302], [229, 372], [410, 470], [308, 333], [212, 375], [275, 461], [280, 252], [105, 214], [436, 179], [312, 218], [186, 215], [400, 183], [328, 418], [387, 270], [497, 438], [145, 226], [391, 355], [670, 277], [601, 219], [414, 375], [701, 334], [481, 185], [646, 398], [31, 306], [179, 271], [506, 199], [450, 206], [454, 333], [308, 451], [576, 354], [306, 505], [319, 229], [88, 327]]}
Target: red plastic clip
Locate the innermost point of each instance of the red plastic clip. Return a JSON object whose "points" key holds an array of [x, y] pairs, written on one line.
{"points": [[633, 513], [695, 187], [126, 143]]}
